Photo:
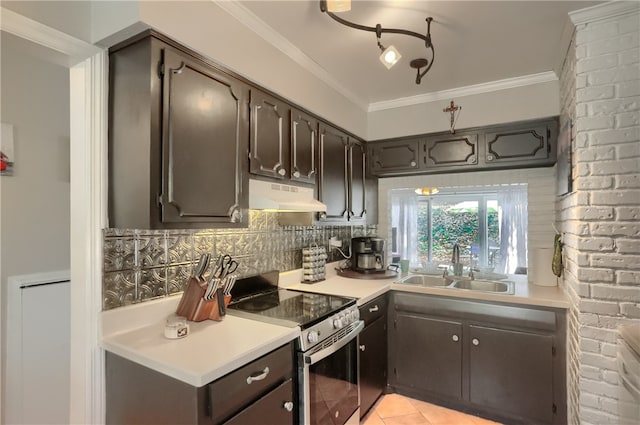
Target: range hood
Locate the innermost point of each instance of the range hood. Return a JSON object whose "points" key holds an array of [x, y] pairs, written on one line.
{"points": [[282, 197]]}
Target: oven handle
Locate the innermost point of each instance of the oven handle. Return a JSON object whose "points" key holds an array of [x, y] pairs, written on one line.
{"points": [[316, 357]]}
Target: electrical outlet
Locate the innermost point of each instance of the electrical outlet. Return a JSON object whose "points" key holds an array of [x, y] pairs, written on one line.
{"points": [[334, 242]]}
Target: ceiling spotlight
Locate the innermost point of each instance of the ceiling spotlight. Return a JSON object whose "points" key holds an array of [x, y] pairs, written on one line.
{"points": [[389, 56], [338, 5]]}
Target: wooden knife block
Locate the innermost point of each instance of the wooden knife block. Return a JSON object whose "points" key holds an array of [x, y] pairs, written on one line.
{"points": [[195, 308]]}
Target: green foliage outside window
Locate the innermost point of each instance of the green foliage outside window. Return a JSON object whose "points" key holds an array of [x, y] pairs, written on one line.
{"points": [[451, 225]]}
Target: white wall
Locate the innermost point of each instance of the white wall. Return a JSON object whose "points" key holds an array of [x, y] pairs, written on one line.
{"points": [[540, 197], [34, 201], [515, 104]]}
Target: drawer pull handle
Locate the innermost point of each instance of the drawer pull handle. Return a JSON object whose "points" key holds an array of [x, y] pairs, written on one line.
{"points": [[362, 347], [259, 377], [374, 309], [288, 405], [456, 338], [475, 341]]}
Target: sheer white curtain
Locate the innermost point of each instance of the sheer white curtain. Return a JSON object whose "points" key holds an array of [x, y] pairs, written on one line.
{"points": [[404, 217], [513, 229]]}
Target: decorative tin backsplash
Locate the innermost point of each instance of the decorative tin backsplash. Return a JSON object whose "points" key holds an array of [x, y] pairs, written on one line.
{"points": [[140, 265]]}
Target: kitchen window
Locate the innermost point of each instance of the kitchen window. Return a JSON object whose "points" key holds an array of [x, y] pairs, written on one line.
{"points": [[489, 224]]}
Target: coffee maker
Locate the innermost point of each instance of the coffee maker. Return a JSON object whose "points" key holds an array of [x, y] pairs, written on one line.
{"points": [[367, 254]]}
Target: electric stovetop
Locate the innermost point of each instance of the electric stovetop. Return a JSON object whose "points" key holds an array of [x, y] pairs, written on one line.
{"points": [[257, 297]]}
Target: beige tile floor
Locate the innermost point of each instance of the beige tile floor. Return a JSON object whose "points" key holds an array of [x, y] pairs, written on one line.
{"points": [[394, 409]]}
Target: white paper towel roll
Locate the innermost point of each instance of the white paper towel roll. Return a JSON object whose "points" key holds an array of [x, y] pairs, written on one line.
{"points": [[540, 272]]}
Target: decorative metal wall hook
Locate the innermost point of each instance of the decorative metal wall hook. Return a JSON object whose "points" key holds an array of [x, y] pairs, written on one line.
{"points": [[452, 109], [417, 64]]}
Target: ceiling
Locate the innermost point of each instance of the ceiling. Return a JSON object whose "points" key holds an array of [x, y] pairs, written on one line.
{"points": [[476, 42]]}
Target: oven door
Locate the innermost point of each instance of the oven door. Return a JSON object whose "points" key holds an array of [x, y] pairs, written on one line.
{"points": [[329, 391]]}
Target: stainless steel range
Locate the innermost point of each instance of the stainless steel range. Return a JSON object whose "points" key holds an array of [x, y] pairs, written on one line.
{"points": [[327, 351]]}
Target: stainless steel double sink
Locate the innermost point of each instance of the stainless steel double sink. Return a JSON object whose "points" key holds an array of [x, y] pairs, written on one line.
{"points": [[460, 283]]}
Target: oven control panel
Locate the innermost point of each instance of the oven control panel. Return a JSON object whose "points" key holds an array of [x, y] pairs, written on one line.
{"points": [[324, 329]]}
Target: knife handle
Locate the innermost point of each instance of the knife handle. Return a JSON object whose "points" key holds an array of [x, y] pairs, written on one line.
{"points": [[221, 308]]}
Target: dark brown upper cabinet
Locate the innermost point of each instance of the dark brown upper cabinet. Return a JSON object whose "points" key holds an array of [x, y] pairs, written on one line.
{"points": [[521, 144], [178, 140], [304, 142], [449, 150], [516, 145], [392, 157], [283, 140], [357, 180], [269, 149], [344, 186], [333, 188]]}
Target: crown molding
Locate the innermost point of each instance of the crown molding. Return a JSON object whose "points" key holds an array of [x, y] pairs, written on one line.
{"points": [[258, 26], [603, 11], [36, 32], [508, 83]]}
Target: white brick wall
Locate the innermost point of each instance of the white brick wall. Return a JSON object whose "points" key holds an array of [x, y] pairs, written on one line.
{"points": [[600, 92]]}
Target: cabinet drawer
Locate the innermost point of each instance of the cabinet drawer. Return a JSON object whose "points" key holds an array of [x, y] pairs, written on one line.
{"points": [[241, 387], [270, 409], [373, 310]]}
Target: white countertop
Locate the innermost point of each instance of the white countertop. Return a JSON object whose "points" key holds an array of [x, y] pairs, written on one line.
{"points": [[366, 290], [214, 349], [210, 351]]}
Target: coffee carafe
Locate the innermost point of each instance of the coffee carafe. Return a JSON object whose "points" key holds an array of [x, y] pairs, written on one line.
{"points": [[367, 254]]}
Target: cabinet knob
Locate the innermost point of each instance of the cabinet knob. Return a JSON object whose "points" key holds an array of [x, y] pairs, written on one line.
{"points": [[362, 347], [288, 405], [258, 377], [456, 338], [296, 174], [322, 215], [475, 341], [413, 163], [490, 157], [282, 171]]}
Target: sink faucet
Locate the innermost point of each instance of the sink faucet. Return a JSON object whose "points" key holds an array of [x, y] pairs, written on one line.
{"points": [[455, 258]]}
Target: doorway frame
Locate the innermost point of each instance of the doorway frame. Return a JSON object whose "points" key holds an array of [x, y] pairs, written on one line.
{"points": [[88, 73]]}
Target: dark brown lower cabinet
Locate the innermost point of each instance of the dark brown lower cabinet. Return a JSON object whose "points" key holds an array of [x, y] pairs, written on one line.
{"points": [[269, 410], [512, 371], [260, 392], [373, 345], [502, 361], [373, 364], [429, 348]]}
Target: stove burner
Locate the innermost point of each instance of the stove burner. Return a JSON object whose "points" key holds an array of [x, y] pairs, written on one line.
{"points": [[264, 302]]}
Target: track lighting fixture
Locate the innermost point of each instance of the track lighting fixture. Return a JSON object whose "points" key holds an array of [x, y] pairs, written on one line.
{"points": [[390, 55]]}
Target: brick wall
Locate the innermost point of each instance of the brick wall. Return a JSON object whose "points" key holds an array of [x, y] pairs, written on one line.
{"points": [[600, 93]]}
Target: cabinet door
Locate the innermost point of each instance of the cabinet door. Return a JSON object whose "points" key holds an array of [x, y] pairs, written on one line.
{"points": [[512, 372], [429, 355], [519, 145], [304, 141], [451, 150], [373, 363], [334, 173], [357, 182], [275, 408], [204, 143], [395, 157], [269, 149]]}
